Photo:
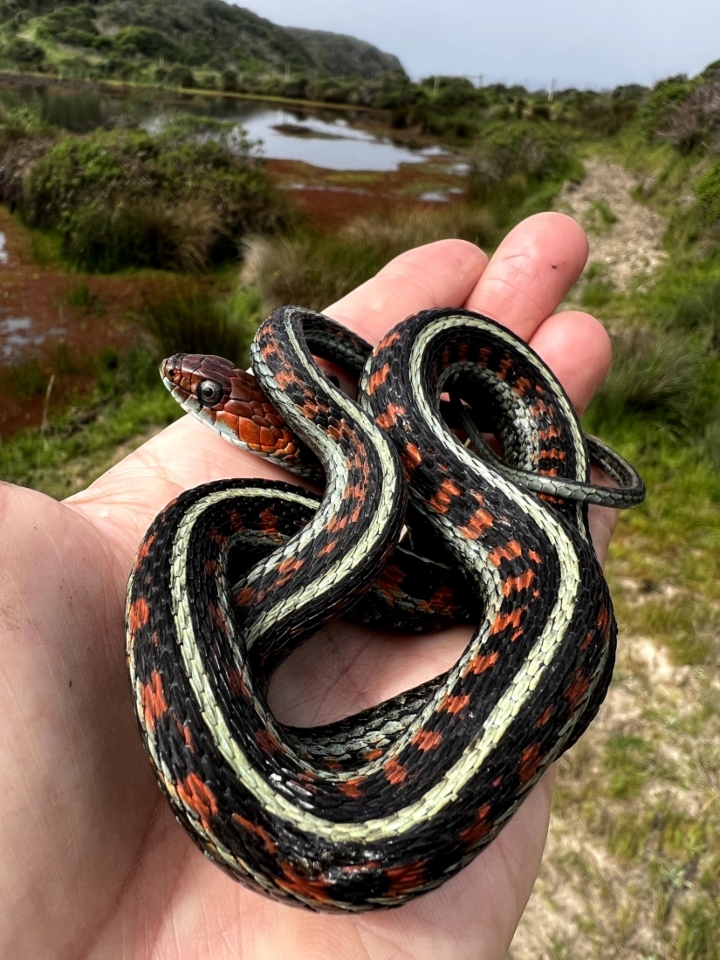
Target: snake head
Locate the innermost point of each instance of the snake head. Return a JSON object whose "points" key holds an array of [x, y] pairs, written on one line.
{"points": [[201, 384], [230, 401]]}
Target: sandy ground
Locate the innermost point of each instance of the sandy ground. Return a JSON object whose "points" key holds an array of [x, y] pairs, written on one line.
{"points": [[629, 249]]}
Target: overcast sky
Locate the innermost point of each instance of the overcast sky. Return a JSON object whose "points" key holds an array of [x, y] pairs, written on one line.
{"points": [[580, 44]]}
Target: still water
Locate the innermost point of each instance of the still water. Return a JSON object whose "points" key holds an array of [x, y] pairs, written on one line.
{"points": [[326, 139]]}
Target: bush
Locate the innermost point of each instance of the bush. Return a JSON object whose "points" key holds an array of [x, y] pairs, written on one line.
{"points": [[124, 198], [58, 23], [146, 42], [696, 120], [180, 76], [229, 81], [24, 137], [514, 159], [24, 52], [665, 97]]}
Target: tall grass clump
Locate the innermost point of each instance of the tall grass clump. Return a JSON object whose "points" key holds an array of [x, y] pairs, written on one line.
{"points": [[181, 200], [697, 310], [316, 269], [664, 386], [190, 319]]}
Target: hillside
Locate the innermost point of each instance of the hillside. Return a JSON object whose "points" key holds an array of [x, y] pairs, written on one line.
{"points": [[205, 34], [340, 55]]}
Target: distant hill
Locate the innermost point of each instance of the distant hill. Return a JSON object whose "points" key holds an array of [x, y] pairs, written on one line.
{"points": [[207, 34], [340, 55]]}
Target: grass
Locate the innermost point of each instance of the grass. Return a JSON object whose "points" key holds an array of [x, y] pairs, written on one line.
{"points": [[190, 319], [636, 809], [599, 217], [315, 269], [80, 296], [80, 443]]}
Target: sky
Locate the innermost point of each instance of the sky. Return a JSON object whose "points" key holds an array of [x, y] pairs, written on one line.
{"points": [[595, 45]]}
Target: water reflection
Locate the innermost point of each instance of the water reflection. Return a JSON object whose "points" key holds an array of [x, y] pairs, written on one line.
{"points": [[18, 338], [323, 139]]}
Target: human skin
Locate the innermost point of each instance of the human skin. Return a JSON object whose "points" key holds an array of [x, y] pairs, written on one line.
{"points": [[93, 863]]}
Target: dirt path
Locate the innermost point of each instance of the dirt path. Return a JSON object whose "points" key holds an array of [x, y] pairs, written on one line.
{"points": [[625, 863], [625, 236]]}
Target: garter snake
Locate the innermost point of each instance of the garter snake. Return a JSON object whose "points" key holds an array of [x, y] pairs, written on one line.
{"points": [[234, 575]]}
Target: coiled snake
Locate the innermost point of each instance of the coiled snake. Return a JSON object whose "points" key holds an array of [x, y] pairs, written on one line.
{"points": [[234, 575]]}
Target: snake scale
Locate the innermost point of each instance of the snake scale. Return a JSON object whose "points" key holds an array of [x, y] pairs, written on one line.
{"points": [[421, 524]]}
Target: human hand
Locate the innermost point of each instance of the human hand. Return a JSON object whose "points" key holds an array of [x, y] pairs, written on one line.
{"points": [[94, 863]]}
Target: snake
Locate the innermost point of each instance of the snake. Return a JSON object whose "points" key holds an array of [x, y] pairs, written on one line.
{"points": [[422, 521]]}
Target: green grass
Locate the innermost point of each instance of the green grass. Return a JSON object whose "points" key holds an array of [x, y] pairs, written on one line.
{"points": [[72, 449], [78, 442], [79, 296], [599, 217], [628, 760], [190, 319]]}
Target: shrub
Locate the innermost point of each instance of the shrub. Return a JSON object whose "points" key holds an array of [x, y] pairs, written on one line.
{"points": [[600, 115], [665, 97], [229, 81], [515, 158], [180, 76], [124, 198], [59, 22], [146, 42], [696, 120], [24, 52], [24, 137]]}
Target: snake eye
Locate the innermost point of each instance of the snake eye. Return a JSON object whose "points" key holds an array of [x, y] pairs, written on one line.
{"points": [[209, 393]]}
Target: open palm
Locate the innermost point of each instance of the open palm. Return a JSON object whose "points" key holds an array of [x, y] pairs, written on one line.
{"points": [[93, 863]]}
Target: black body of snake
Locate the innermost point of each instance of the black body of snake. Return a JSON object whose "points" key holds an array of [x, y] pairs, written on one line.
{"points": [[232, 576]]}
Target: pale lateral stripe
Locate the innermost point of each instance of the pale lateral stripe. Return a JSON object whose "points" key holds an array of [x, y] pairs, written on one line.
{"points": [[436, 798], [343, 567]]}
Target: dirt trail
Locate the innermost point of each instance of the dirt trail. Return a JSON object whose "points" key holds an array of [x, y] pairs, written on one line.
{"points": [[587, 903], [628, 248]]}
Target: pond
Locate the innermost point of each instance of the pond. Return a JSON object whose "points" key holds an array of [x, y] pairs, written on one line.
{"points": [[324, 139]]}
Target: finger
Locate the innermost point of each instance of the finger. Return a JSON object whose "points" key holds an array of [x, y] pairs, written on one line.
{"points": [[441, 274], [125, 499], [602, 522], [577, 349], [531, 272]]}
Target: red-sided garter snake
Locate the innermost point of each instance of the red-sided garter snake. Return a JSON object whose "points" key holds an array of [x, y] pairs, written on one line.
{"points": [[234, 575]]}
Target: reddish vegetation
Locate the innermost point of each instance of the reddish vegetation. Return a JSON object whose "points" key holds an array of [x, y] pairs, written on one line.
{"points": [[41, 293], [329, 199]]}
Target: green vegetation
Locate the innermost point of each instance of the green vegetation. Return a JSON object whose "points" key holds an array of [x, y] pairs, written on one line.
{"points": [[316, 269], [130, 38], [127, 399], [644, 789], [125, 198]]}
